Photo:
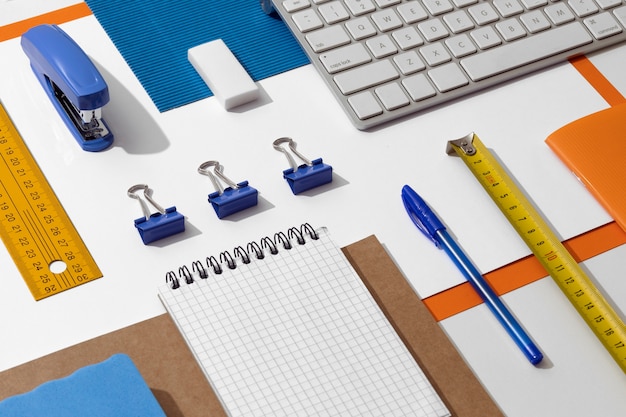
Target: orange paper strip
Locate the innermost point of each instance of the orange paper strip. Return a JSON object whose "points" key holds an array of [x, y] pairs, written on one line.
{"points": [[523, 271], [597, 80], [56, 17]]}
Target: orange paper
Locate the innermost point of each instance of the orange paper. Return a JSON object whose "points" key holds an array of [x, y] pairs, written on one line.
{"points": [[592, 147], [56, 17]]}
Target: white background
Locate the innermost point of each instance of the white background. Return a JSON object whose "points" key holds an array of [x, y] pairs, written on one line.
{"points": [[578, 377]]}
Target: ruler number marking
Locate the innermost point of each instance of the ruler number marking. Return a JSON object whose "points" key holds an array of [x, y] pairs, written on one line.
{"points": [[38, 205], [34, 225], [553, 256]]}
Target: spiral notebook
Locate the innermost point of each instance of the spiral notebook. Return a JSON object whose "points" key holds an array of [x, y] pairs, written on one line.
{"points": [[286, 327]]}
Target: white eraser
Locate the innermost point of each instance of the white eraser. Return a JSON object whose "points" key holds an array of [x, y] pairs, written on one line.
{"points": [[218, 67]]}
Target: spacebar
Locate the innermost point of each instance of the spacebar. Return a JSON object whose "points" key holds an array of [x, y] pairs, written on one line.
{"points": [[524, 51]]}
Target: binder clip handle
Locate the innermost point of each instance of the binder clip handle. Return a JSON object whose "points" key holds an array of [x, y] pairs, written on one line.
{"points": [[309, 174], [154, 226], [147, 193], [292, 147], [232, 199], [218, 171]]}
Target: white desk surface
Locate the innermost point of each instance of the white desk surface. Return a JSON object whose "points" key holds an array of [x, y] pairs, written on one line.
{"points": [[578, 377]]}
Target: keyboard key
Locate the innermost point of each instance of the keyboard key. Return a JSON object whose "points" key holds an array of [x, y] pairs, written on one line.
{"points": [[409, 62], [533, 4], [327, 38], [437, 7], [345, 58], [559, 13], [418, 87], [412, 12], [524, 51], [463, 3], [460, 46], [621, 15], [458, 21], [360, 7], [333, 12], [433, 30], [361, 28], [387, 3], [365, 105], [603, 25], [508, 8], [407, 38], [583, 8], [307, 20], [535, 21], [386, 20], [486, 37], [435, 54], [381, 46], [607, 4], [511, 29], [483, 13], [295, 5], [448, 77], [392, 96], [369, 75]]}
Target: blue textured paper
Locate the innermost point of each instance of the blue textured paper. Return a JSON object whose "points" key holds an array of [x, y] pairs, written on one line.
{"points": [[113, 388], [153, 36]]}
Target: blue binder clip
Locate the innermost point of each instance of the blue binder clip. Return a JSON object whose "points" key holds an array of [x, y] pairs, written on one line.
{"points": [[309, 175], [230, 200], [155, 226], [72, 82]]}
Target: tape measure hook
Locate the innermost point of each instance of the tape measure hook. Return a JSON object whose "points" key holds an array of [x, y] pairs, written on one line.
{"points": [[465, 144]]}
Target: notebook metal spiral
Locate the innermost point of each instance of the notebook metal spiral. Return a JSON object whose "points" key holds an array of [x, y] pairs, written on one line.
{"points": [[240, 255]]}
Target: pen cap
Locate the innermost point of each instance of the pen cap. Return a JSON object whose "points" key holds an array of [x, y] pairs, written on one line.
{"points": [[421, 214]]}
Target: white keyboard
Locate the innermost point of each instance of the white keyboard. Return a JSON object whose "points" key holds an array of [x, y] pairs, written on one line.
{"points": [[385, 59]]}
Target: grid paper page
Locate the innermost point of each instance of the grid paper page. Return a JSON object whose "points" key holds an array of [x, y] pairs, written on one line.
{"points": [[298, 334]]}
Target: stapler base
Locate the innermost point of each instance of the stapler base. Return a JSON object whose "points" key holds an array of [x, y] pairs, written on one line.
{"points": [[62, 106]]}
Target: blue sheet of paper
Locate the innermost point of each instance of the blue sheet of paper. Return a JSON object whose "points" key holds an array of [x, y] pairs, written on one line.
{"points": [[154, 36], [113, 388]]}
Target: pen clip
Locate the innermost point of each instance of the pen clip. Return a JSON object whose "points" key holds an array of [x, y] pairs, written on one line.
{"points": [[421, 214]]}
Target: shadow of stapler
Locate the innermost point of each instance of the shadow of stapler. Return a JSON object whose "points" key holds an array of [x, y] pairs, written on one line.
{"points": [[72, 82]]}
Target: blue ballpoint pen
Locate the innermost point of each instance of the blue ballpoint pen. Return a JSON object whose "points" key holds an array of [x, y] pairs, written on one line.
{"points": [[429, 224]]}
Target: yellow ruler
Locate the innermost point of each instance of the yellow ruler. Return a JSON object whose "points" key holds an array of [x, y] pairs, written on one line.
{"points": [[34, 227], [575, 284]]}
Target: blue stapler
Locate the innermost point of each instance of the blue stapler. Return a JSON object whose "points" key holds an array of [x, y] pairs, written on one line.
{"points": [[72, 82]]}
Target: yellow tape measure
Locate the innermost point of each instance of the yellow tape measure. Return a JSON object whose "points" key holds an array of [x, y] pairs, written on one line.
{"points": [[34, 227], [544, 244]]}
